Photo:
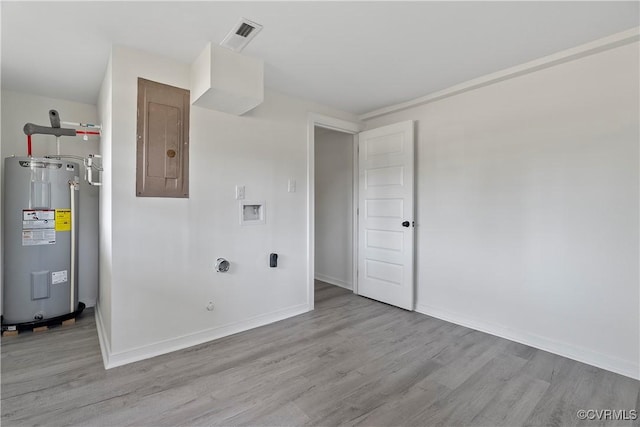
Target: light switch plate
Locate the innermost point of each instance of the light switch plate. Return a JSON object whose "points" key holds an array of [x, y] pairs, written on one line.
{"points": [[291, 188], [239, 192]]}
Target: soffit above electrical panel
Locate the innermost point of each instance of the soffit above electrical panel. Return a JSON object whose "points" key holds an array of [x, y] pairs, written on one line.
{"points": [[226, 81]]}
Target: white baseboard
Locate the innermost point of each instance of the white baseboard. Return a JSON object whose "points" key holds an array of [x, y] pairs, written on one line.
{"points": [[105, 348], [112, 360], [623, 367], [333, 281]]}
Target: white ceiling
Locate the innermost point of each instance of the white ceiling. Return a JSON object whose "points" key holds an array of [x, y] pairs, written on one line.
{"points": [[355, 56]]}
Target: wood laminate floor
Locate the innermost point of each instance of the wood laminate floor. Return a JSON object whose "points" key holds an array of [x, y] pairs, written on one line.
{"points": [[352, 361]]}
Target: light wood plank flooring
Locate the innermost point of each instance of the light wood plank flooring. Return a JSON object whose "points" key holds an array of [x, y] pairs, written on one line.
{"points": [[352, 361]]}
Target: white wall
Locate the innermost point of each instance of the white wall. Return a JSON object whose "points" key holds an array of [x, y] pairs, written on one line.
{"points": [[334, 207], [21, 108], [527, 208], [104, 306], [163, 250]]}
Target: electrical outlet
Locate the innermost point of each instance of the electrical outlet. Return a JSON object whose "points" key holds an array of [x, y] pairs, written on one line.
{"points": [[292, 185], [239, 192]]}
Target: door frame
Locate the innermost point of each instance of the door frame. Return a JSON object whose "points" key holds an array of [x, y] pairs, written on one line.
{"points": [[344, 126]]}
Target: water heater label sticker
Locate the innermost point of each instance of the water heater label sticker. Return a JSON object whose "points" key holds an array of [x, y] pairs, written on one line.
{"points": [[63, 219], [45, 236], [38, 223], [33, 215], [38, 219], [58, 277]]}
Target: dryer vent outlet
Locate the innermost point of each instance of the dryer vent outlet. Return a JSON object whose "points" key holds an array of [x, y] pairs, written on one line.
{"points": [[222, 265]]}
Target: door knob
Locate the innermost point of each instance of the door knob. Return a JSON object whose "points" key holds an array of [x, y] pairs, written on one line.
{"points": [[405, 223]]}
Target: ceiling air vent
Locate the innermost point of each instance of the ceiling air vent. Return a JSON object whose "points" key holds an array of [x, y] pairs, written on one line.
{"points": [[241, 35]]}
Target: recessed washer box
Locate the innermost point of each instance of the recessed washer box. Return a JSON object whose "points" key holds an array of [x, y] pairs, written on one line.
{"points": [[252, 212], [224, 80]]}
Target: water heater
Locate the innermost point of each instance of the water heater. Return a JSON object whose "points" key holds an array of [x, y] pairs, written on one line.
{"points": [[40, 240]]}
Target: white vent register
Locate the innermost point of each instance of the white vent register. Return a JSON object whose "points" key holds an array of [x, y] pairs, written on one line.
{"points": [[241, 35]]}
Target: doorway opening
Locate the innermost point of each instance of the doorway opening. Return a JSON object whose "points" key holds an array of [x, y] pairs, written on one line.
{"points": [[335, 156], [321, 122], [382, 256]]}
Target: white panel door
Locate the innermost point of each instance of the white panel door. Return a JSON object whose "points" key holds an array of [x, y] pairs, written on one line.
{"points": [[385, 226]]}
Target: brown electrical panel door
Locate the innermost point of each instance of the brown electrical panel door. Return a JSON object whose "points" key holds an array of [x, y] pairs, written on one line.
{"points": [[162, 168]]}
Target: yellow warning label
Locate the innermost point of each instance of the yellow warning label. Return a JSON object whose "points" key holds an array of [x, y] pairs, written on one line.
{"points": [[63, 219]]}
